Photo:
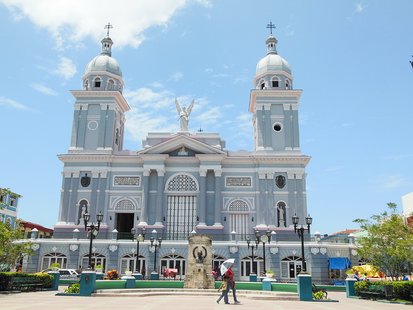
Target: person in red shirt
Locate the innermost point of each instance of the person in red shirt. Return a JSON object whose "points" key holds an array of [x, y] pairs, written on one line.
{"points": [[231, 285]]}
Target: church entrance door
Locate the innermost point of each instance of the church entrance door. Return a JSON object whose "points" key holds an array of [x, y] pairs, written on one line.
{"points": [[124, 224]]}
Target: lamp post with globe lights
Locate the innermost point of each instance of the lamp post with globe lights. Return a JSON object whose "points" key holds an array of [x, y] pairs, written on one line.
{"points": [[300, 231], [93, 231]]}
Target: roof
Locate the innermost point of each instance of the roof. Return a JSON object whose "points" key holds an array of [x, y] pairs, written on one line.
{"points": [[31, 225], [345, 232]]}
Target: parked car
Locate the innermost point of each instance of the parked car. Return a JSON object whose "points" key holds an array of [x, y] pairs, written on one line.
{"points": [[68, 274]]}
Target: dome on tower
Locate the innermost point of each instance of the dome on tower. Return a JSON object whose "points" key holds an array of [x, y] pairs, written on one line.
{"points": [[273, 71], [272, 61], [103, 72]]}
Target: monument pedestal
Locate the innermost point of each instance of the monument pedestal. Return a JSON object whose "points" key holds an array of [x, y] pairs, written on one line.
{"points": [[199, 273]]}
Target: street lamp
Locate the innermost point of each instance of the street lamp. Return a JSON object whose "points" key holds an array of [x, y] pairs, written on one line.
{"points": [[253, 246], [139, 238], [300, 231], [93, 231], [264, 239], [155, 243]]}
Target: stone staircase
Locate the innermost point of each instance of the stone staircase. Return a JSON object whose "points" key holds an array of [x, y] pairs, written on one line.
{"points": [[242, 294]]}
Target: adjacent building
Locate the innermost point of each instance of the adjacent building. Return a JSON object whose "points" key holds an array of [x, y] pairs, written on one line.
{"points": [[407, 201], [8, 206]]}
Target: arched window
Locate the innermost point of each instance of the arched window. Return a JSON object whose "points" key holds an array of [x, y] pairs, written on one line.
{"points": [[275, 82], [52, 258], [287, 84], [181, 206], [217, 261], [97, 259], [247, 267], [238, 210], [111, 84], [262, 84], [125, 205], [128, 262], [117, 136], [98, 82], [290, 267], [182, 183], [86, 85], [174, 261]]}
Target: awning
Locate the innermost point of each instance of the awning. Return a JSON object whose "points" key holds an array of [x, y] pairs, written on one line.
{"points": [[341, 263]]}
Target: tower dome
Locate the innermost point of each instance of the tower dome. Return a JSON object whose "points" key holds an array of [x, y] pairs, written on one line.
{"points": [[272, 71], [103, 72]]}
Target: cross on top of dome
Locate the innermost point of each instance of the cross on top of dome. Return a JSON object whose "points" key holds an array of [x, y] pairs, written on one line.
{"points": [[271, 26], [108, 26]]}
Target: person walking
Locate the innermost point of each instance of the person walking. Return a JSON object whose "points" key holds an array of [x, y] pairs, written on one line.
{"points": [[231, 286], [224, 290]]}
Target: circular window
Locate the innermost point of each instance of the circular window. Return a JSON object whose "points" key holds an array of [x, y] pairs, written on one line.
{"points": [[277, 127], [92, 125]]}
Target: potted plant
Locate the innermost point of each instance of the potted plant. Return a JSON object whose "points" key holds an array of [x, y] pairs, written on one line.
{"points": [[113, 274], [99, 268], [269, 273], [350, 273], [55, 266]]}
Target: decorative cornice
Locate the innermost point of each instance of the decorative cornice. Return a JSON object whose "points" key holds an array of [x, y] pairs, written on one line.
{"points": [[283, 96], [120, 100]]}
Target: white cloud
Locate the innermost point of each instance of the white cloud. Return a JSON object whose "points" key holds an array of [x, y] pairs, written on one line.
{"points": [[154, 111], [205, 3], [360, 7], [244, 117], [66, 68], [12, 103], [211, 115], [148, 98], [334, 168], [398, 157], [147, 112], [76, 20], [395, 181], [44, 89], [176, 77]]}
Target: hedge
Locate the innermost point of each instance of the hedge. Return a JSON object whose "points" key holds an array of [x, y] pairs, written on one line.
{"points": [[401, 289], [6, 279]]}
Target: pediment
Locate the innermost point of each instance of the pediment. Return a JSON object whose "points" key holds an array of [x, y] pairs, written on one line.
{"points": [[182, 145]]}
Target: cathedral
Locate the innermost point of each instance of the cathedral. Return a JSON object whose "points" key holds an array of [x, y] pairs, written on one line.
{"points": [[183, 183]]}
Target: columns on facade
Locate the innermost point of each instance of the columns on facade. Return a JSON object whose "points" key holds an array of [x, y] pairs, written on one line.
{"points": [[145, 200], [202, 197], [159, 198], [265, 198], [71, 204], [218, 199]]}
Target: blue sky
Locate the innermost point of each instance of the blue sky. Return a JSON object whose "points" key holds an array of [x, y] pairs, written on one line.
{"points": [[351, 58]]}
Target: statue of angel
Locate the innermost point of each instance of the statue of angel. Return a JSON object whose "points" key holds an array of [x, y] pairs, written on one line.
{"points": [[184, 114]]}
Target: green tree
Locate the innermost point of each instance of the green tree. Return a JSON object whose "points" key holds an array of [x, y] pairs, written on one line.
{"points": [[12, 249], [388, 243]]}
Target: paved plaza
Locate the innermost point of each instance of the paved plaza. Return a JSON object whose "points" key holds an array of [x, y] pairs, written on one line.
{"points": [[48, 300]]}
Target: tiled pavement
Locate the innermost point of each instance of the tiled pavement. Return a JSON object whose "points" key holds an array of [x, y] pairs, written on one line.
{"points": [[46, 300]]}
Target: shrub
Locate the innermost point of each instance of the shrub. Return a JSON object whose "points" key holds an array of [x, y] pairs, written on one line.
{"points": [[73, 288], [6, 279], [319, 295], [402, 289], [361, 286]]}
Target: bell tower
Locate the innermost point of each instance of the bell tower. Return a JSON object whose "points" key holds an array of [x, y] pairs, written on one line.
{"points": [[274, 103], [98, 121]]}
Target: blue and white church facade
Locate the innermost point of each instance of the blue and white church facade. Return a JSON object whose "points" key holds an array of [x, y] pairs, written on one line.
{"points": [[185, 182]]}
